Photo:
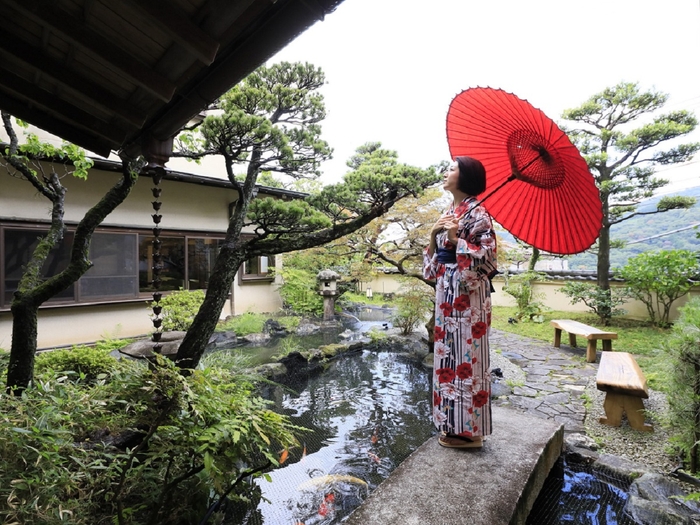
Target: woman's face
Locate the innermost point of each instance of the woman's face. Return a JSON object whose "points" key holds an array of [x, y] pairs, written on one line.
{"points": [[451, 177]]}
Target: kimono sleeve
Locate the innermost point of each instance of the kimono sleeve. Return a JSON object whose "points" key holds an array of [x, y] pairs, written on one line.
{"points": [[476, 246], [430, 265]]}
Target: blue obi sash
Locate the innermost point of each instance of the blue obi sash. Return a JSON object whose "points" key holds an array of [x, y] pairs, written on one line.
{"points": [[446, 256]]}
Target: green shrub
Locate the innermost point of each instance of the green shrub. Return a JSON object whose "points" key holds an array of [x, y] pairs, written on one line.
{"points": [[252, 323], [179, 309], [683, 367], [529, 305], [247, 323], [4, 362], [604, 303], [150, 446], [658, 279], [413, 305], [84, 363], [299, 291]]}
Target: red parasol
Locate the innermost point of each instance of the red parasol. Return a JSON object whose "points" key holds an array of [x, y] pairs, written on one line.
{"points": [[546, 195]]}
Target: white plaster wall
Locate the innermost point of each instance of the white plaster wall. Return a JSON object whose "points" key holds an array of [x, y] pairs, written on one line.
{"points": [[382, 283], [74, 325], [556, 300]]}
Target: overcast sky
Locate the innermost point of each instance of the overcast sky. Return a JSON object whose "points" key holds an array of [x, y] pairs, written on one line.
{"points": [[393, 66]]}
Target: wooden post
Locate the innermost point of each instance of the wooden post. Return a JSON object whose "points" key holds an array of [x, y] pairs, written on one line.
{"points": [[616, 404]]}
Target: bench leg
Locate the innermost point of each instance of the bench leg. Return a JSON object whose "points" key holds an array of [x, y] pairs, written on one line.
{"points": [[617, 404], [572, 340], [557, 337], [607, 345], [591, 351]]}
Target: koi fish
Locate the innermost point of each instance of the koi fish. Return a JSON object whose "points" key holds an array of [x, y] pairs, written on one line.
{"points": [[329, 479], [326, 506], [374, 457], [284, 455]]}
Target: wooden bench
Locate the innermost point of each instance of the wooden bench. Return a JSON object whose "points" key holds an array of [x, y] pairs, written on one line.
{"points": [[591, 333], [624, 384]]}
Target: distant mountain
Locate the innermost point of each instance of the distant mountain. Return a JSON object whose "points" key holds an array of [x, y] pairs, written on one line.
{"points": [[671, 230]]}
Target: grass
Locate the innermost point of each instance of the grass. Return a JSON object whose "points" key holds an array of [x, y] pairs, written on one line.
{"points": [[251, 323], [377, 299], [633, 336]]}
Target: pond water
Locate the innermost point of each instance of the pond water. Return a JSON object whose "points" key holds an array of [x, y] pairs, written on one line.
{"points": [[577, 494], [367, 413], [352, 325]]}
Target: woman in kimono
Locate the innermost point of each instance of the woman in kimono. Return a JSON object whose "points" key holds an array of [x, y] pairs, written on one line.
{"points": [[461, 258]]}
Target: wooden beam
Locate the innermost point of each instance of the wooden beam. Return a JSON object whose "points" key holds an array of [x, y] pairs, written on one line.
{"points": [[66, 131], [76, 32], [53, 105], [179, 27], [70, 79]]}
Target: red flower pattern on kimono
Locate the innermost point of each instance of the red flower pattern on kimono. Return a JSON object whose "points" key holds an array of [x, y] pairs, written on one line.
{"points": [[461, 303], [479, 330], [436, 398], [446, 309], [464, 371], [461, 208], [445, 375], [480, 398], [438, 333], [463, 262]]}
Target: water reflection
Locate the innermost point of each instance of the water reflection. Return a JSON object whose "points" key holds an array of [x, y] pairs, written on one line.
{"points": [[574, 493], [366, 413]]}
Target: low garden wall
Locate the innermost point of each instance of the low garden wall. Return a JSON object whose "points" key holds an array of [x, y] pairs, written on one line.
{"points": [[552, 297]]}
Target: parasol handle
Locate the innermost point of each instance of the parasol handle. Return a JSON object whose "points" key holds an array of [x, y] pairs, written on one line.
{"points": [[512, 177]]}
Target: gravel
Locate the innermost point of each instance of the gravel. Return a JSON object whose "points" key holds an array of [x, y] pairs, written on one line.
{"points": [[512, 372], [648, 448]]}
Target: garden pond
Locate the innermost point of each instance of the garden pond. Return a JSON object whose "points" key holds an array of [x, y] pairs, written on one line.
{"points": [[367, 412]]}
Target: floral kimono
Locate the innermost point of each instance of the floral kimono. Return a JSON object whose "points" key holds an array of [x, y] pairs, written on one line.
{"points": [[461, 375]]}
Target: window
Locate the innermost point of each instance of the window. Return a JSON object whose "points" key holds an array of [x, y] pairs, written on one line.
{"points": [[201, 255], [258, 269], [113, 273], [172, 273], [19, 245], [123, 264]]}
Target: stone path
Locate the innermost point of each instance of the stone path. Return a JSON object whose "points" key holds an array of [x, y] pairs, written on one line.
{"points": [[555, 379]]}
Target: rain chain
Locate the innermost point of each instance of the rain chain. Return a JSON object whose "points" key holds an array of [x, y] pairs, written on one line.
{"points": [[158, 173]]}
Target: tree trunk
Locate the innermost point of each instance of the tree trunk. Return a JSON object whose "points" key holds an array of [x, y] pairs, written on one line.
{"points": [[20, 371], [533, 260], [603, 266]]}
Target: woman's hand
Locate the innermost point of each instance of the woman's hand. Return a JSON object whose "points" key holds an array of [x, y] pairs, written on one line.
{"points": [[447, 223], [452, 226]]}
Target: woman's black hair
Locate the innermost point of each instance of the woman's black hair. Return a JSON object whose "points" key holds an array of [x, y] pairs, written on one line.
{"points": [[472, 175]]}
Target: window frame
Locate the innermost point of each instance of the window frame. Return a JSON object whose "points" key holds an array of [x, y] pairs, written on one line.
{"points": [[268, 277], [77, 299]]}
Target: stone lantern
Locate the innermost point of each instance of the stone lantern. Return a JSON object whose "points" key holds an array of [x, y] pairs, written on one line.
{"points": [[327, 287]]}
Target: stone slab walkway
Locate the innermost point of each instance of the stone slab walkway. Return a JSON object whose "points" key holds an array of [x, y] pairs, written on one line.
{"points": [[495, 485], [554, 382]]}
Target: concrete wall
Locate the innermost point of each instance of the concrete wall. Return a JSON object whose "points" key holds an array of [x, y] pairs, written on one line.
{"points": [[382, 283], [556, 300], [553, 298]]}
